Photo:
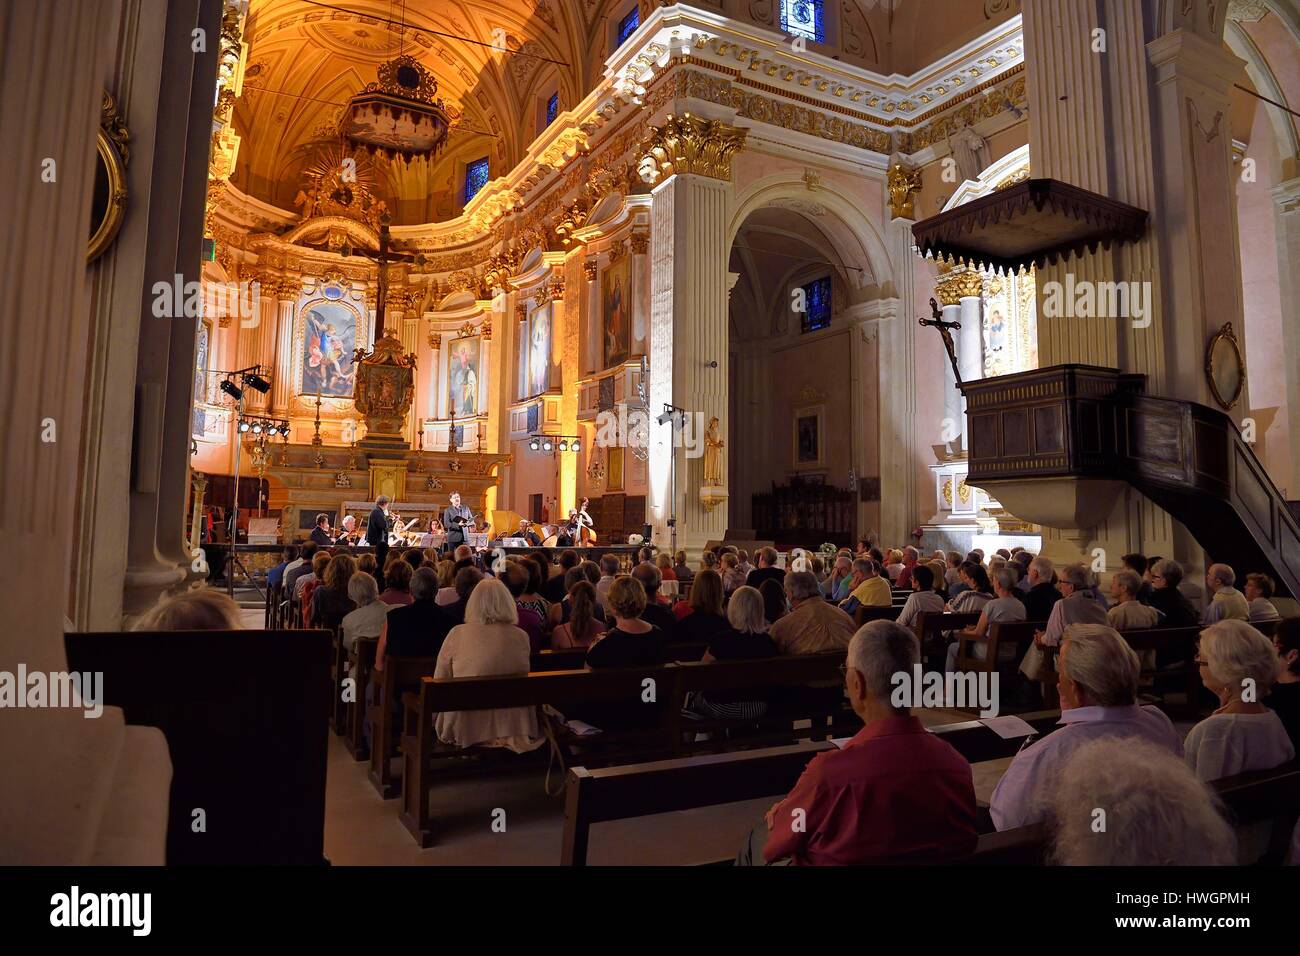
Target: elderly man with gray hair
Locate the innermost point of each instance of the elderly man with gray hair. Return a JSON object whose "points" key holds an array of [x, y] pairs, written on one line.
{"points": [[1226, 603], [1127, 614], [812, 625], [893, 794], [1099, 683]]}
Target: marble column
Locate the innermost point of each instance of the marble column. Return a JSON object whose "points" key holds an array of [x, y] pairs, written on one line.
{"points": [[1286, 199], [565, 332], [867, 395], [286, 294], [896, 416]]}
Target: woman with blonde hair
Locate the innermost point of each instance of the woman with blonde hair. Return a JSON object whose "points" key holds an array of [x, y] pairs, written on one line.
{"points": [[665, 566], [201, 609], [488, 644], [366, 563]]}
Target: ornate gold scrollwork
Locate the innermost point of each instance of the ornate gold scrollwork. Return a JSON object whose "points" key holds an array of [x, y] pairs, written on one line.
{"points": [[108, 201]]}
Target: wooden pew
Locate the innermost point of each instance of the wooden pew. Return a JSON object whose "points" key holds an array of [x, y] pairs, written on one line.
{"points": [[1180, 640], [338, 672], [634, 790], [1017, 634], [361, 664], [929, 628], [399, 674], [248, 744], [864, 614]]}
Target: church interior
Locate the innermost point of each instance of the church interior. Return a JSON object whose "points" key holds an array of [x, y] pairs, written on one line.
{"points": [[631, 433]]}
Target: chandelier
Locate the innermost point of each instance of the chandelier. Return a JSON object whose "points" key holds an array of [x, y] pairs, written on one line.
{"points": [[397, 116]]}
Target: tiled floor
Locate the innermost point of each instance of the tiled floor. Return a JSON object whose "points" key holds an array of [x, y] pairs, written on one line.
{"points": [[362, 829]]}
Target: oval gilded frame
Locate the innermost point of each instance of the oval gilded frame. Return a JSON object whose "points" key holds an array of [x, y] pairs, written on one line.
{"points": [[1223, 362], [109, 192]]}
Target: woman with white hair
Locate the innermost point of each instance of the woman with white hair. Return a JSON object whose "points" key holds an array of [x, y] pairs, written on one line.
{"points": [[1239, 665], [1157, 813], [745, 640], [1007, 606], [368, 618], [489, 643]]}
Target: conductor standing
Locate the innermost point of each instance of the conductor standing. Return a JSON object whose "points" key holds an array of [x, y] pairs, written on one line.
{"points": [[377, 535]]}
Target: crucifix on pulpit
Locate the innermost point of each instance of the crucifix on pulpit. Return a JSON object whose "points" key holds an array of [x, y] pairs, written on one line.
{"points": [[945, 330]]}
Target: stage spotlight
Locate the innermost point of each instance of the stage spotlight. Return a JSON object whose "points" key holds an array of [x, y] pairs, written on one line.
{"points": [[665, 418], [256, 381], [257, 428], [231, 389], [576, 446], [564, 445], [534, 445], [243, 426], [546, 445], [272, 430]]}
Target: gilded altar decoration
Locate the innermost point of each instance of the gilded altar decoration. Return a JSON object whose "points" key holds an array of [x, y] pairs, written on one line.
{"points": [[385, 388], [713, 445], [398, 116], [341, 183], [958, 285], [904, 184], [689, 144]]}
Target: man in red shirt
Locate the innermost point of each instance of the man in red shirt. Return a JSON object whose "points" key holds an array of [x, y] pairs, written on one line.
{"points": [[895, 793]]}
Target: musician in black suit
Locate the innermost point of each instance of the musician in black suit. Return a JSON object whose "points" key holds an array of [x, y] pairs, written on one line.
{"points": [[321, 533], [527, 533], [377, 535], [456, 520]]}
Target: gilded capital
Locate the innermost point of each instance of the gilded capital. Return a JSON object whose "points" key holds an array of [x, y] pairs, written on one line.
{"points": [[640, 243], [903, 185], [959, 285], [689, 144]]}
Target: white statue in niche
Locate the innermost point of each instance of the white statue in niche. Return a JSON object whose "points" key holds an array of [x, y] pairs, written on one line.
{"points": [[969, 151]]}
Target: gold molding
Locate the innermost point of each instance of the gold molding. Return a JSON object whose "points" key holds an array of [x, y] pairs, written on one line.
{"points": [[690, 145], [112, 153]]}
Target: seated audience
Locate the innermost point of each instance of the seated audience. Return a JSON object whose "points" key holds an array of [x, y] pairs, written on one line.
{"points": [[199, 609], [631, 642], [446, 582], [1238, 665], [299, 566], [367, 620], [1259, 598], [1042, 594], [1098, 686], [319, 562], [1226, 602], [556, 585], [813, 625], [1284, 697], [706, 616], [1158, 813], [416, 629], [681, 568], [398, 581], [561, 611], [839, 585], [486, 645], [910, 557], [515, 578], [665, 566], [744, 565], [1127, 614], [923, 599], [1166, 598], [953, 574], [532, 598], [275, 575], [767, 569], [869, 589], [895, 793], [656, 612], [1075, 607], [1137, 563], [329, 601], [746, 639], [774, 603], [978, 589], [1022, 559], [893, 564], [732, 576], [367, 565], [582, 626], [467, 580], [1006, 606], [608, 571]]}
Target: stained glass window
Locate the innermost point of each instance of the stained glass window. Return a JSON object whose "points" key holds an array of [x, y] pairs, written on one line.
{"points": [[804, 18], [476, 177], [627, 26], [817, 297], [552, 108]]}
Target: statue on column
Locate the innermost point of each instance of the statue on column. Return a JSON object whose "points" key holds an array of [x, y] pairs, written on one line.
{"points": [[713, 445]]}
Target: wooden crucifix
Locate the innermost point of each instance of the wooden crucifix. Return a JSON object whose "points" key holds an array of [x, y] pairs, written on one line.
{"points": [[945, 330], [383, 257]]}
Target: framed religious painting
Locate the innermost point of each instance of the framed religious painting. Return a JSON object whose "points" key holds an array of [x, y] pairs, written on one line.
{"points": [[464, 372], [615, 307], [809, 437], [329, 340]]}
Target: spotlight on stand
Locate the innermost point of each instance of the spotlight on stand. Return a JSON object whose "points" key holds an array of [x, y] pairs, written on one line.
{"points": [[257, 428], [243, 426], [666, 417], [231, 389], [253, 380]]}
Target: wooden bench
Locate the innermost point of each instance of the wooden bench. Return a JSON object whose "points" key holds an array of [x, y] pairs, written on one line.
{"points": [[670, 732], [338, 673], [619, 793], [929, 627], [248, 743], [361, 664], [399, 674], [1181, 641], [864, 614]]}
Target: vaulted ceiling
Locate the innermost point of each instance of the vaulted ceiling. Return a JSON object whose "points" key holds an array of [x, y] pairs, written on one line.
{"points": [[306, 59]]}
